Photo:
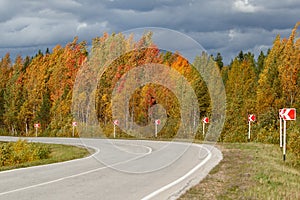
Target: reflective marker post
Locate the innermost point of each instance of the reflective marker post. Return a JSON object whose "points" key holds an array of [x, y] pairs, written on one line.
{"points": [[205, 120], [281, 112], [280, 132], [251, 118], [284, 139], [286, 114], [73, 129], [157, 122], [249, 130], [114, 131], [116, 123], [36, 129]]}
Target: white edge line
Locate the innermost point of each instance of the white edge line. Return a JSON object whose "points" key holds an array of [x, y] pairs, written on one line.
{"points": [[74, 175], [97, 151], [164, 188], [151, 195]]}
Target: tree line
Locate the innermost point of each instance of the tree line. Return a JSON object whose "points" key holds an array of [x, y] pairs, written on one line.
{"points": [[39, 89]]}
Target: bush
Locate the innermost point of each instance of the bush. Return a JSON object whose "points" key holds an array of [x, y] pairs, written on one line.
{"points": [[14, 153], [268, 135], [41, 151], [294, 141]]}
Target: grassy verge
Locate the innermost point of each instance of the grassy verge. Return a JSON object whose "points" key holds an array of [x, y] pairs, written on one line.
{"points": [[58, 153], [250, 171]]}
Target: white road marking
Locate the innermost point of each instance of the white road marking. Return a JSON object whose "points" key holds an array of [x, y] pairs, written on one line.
{"points": [[97, 151], [75, 175], [164, 188]]}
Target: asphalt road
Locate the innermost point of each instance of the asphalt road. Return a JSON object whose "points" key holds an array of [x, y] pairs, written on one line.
{"points": [[118, 169]]}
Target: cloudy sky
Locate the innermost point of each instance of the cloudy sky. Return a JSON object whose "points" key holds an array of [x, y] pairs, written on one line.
{"points": [[225, 26]]}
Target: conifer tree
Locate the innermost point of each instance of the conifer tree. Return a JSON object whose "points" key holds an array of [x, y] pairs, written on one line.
{"points": [[14, 97], [240, 93], [269, 91], [5, 73], [43, 115], [260, 63], [219, 60]]}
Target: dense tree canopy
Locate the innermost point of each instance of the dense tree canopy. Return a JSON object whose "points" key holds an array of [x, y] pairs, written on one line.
{"points": [[40, 89]]}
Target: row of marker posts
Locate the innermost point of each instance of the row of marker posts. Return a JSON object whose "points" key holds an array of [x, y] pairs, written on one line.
{"points": [[285, 114], [157, 122], [38, 125], [205, 120], [115, 123]]}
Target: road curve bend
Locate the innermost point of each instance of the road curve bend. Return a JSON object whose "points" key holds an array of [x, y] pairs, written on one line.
{"points": [[117, 169]]}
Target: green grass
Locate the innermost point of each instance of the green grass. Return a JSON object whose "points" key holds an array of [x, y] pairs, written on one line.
{"points": [[250, 171], [59, 153]]}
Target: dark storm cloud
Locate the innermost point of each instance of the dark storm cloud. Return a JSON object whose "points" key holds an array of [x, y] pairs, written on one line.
{"points": [[219, 26]]}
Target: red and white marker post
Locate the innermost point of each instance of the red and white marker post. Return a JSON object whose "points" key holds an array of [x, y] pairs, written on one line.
{"points": [[286, 114], [36, 126], [251, 118], [281, 111], [157, 122], [116, 123], [205, 120], [74, 124]]}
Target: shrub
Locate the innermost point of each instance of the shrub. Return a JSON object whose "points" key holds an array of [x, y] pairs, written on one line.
{"points": [[294, 141], [14, 153]]}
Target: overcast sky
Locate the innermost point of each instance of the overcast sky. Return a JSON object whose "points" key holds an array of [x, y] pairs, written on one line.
{"points": [[225, 26]]}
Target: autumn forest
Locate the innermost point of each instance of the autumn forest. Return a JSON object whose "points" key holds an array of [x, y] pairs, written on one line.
{"points": [[47, 89]]}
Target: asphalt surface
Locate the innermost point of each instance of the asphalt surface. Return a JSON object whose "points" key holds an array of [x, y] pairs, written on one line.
{"points": [[117, 169]]}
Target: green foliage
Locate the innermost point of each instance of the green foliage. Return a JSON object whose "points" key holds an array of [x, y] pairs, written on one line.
{"points": [[260, 63], [219, 60], [43, 116]]}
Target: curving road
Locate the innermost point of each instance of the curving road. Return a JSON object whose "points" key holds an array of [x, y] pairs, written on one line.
{"points": [[118, 169]]}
